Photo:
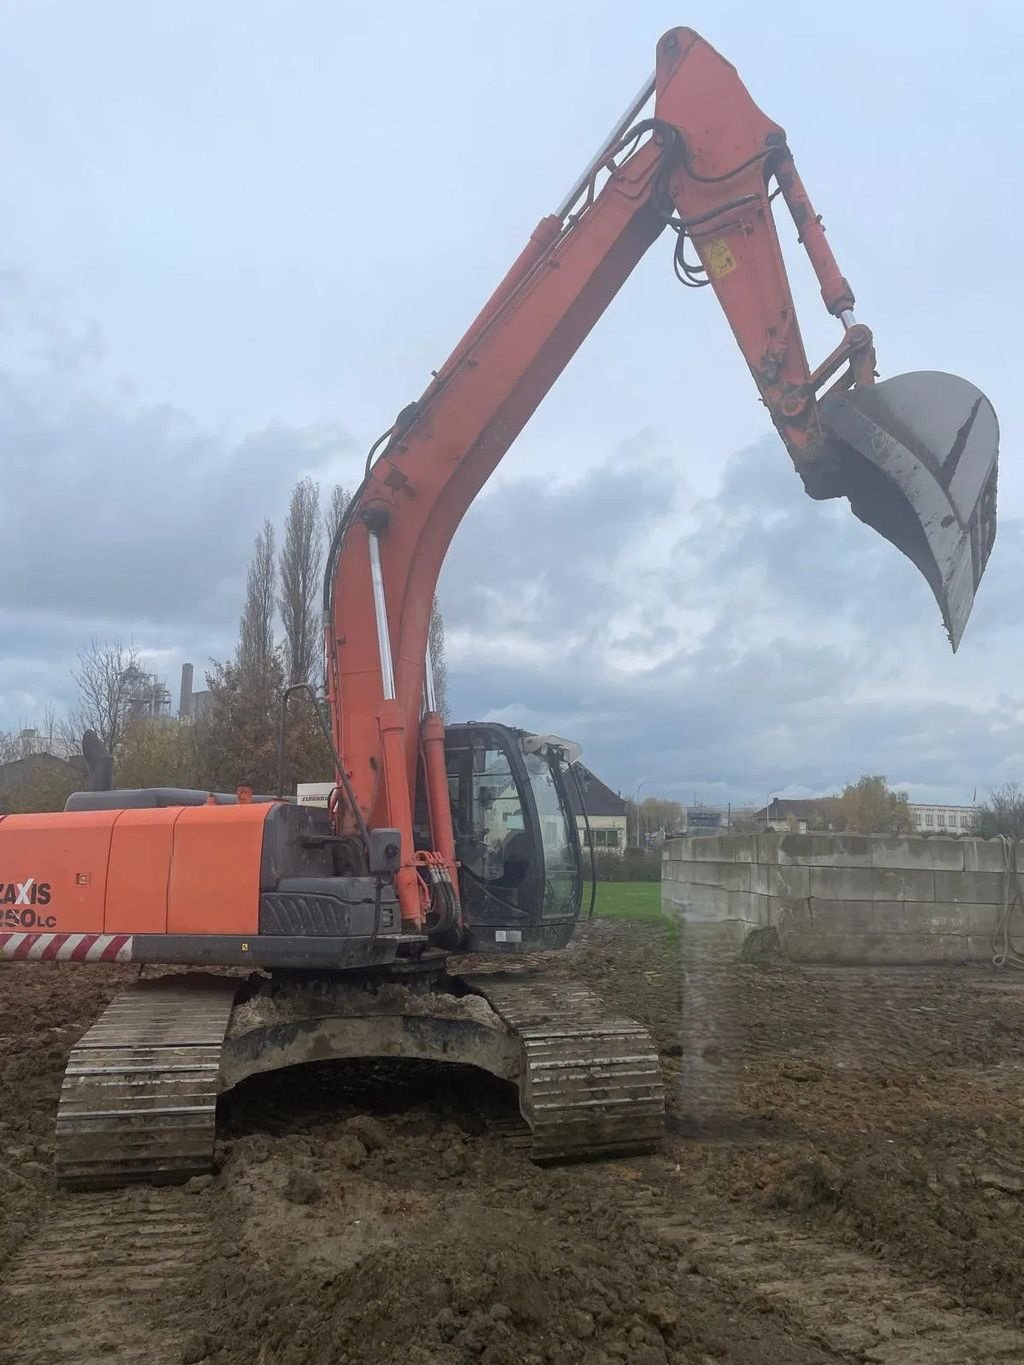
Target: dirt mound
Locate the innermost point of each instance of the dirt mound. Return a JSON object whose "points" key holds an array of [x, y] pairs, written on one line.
{"points": [[466, 1293]]}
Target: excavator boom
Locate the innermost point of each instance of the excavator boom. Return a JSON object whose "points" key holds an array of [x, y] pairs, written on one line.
{"points": [[915, 455]]}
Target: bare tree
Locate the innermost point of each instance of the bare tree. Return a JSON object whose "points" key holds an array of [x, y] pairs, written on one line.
{"points": [[256, 629], [436, 644], [299, 571], [106, 677], [336, 508], [1003, 812]]}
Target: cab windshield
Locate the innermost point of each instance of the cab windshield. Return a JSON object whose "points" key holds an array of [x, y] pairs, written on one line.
{"points": [[561, 871]]}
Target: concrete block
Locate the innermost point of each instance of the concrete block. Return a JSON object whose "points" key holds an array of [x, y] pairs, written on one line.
{"points": [[676, 850], [966, 917], [711, 940], [900, 917], [886, 949], [900, 850], [793, 915], [760, 909], [675, 899], [726, 848], [871, 883], [694, 904], [986, 855], [903, 884], [969, 886], [767, 847], [855, 916], [731, 876], [789, 879], [833, 850], [707, 902]]}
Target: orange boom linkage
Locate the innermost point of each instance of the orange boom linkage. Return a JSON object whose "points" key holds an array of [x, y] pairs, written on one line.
{"points": [[703, 167], [445, 840]]}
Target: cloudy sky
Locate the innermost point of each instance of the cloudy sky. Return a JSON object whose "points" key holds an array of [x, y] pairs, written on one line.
{"points": [[237, 238]]}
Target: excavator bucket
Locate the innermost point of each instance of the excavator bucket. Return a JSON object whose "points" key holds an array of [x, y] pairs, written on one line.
{"points": [[917, 457]]}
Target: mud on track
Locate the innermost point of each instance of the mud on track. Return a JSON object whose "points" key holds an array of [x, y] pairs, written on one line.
{"points": [[843, 1181]]}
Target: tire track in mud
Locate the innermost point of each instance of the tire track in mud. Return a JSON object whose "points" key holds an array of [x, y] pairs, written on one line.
{"points": [[849, 1304], [95, 1282]]}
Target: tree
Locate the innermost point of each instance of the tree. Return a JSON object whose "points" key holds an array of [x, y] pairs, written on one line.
{"points": [[44, 784], [256, 628], [236, 735], [299, 572], [870, 806], [653, 814], [336, 508], [158, 755], [436, 640], [1003, 812], [107, 678]]}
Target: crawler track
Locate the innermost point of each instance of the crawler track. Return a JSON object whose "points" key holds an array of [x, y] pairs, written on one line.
{"points": [[591, 1082], [139, 1099]]}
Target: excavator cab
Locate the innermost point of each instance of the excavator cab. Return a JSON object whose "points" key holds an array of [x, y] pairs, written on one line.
{"points": [[917, 457], [515, 836]]}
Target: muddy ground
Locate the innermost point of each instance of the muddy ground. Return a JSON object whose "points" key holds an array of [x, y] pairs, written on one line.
{"points": [[843, 1180]]}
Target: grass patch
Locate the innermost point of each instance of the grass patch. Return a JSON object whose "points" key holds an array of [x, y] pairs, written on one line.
{"points": [[626, 900]]}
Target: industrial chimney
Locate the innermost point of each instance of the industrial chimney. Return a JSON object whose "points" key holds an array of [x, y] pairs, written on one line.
{"points": [[185, 700]]}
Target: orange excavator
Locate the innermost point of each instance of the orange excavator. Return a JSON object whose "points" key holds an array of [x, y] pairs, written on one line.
{"points": [[441, 842]]}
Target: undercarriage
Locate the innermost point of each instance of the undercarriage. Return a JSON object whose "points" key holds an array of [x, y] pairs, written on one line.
{"points": [[139, 1098]]}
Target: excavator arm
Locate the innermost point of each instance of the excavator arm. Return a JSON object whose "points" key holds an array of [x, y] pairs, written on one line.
{"points": [[705, 168]]}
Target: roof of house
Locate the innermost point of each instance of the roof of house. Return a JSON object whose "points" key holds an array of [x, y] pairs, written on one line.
{"points": [[19, 770], [781, 807], [600, 800]]}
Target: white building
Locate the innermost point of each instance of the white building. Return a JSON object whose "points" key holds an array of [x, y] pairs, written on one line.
{"points": [[606, 813], [944, 819]]}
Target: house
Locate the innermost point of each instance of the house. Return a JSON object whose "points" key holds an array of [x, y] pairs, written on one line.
{"points": [[606, 812], [701, 819], [784, 815], [38, 781], [944, 819]]}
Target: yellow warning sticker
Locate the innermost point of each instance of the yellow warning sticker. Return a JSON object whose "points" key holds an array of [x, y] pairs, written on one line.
{"points": [[721, 261]]}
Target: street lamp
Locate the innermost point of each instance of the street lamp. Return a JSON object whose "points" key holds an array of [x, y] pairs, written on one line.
{"points": [[636, 802]]}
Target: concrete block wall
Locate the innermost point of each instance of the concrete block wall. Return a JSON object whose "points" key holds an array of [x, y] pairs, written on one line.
{"points": [[839, 897]]}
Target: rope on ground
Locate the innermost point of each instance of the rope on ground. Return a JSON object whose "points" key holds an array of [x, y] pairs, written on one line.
{"points": [[1004, 953]]}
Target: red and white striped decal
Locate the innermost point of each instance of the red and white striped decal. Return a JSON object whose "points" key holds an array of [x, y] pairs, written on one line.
{"points": [[66, 947]]}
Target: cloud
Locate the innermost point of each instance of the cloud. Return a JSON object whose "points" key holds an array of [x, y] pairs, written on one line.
{"points": [[729, 645], [748, 642], [119, 518]]}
